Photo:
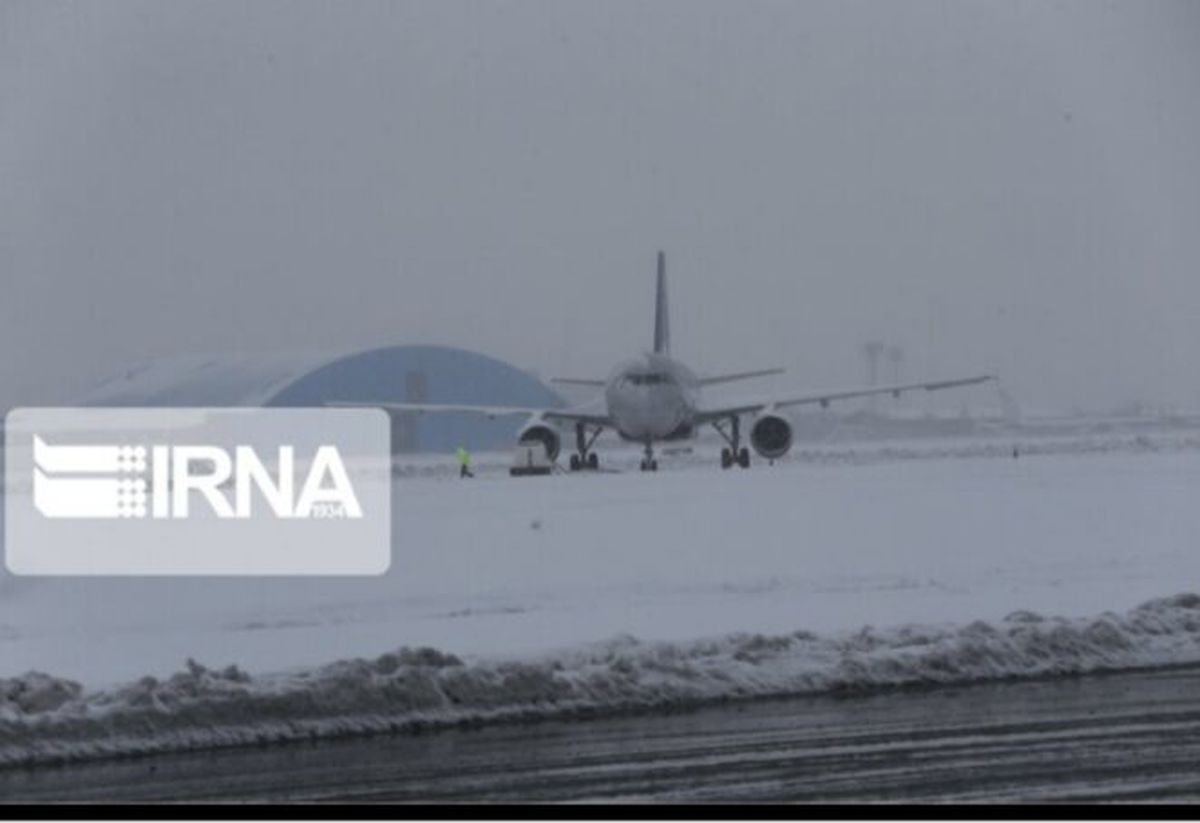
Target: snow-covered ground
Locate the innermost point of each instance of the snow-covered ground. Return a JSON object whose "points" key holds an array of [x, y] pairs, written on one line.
{"points": [[835, 539], [921, 542]]}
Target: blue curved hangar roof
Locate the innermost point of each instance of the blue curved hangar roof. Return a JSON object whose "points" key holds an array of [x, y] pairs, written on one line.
{"points": [[434, 374]]}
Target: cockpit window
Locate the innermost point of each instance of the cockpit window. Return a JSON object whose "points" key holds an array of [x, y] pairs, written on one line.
{"points": [[648, 379]]}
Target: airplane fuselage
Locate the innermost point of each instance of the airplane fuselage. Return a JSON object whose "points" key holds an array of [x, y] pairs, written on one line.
{"points": [[652, 398]]}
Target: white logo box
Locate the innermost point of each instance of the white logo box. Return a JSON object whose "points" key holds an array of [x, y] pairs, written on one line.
{"points": [[197, 491]]}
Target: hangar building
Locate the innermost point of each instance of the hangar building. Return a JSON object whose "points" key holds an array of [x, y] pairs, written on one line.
{"points": [[433, 374]]}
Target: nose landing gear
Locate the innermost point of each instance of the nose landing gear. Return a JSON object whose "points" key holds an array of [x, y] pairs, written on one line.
{"points": [[649, 464]]}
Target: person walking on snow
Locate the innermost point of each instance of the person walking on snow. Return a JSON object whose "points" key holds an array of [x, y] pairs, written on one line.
{"points": [[464, 462]]}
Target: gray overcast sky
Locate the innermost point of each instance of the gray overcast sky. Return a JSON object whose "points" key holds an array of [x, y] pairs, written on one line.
{"points": [[997, 186]]}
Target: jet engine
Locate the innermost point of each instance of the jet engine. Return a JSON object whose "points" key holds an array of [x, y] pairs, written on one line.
{"points": [[771, 436], [539, 432]]}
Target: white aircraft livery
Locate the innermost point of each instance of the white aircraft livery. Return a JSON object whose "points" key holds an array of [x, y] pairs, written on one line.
{"points": [[656, 399]]}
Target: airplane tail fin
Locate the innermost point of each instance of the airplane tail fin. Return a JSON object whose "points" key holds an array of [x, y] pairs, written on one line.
{"points": [[662, 329]]}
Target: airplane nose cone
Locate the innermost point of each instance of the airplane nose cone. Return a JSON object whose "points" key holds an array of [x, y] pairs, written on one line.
{"points": [[646, 412]]}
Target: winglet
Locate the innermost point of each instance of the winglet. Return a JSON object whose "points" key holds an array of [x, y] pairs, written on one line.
{"points": [[662, 329]]}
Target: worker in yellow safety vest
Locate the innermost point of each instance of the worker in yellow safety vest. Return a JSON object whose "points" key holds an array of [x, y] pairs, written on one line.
{"points": [[464, 462]]}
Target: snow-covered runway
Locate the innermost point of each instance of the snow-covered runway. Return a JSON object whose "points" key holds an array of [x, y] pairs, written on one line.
{"points": [[578, 595], [1129, 736], [503, 567]]}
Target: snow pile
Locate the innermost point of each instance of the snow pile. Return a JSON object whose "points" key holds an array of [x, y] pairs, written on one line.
{"points": [[34, 693], [45, 719]]}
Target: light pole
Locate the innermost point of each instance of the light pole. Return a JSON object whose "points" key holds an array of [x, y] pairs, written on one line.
{"points": [[872, 349]]}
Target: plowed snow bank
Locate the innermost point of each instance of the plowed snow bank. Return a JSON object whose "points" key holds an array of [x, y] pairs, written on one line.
{"points": [[45, 719]]}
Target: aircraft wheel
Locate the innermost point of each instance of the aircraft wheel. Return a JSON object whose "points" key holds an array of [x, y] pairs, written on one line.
{"points": [[726, 458], [744, 458], [653, 465], [593, 462], [574, 462]]}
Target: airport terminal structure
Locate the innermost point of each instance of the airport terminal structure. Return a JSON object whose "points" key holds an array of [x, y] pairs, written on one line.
{"points": [[407, 373]]}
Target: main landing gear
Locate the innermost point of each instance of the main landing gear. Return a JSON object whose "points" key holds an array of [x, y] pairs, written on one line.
{"points": [[735, 453], [589, 461], [649, 464], [585, 458]]}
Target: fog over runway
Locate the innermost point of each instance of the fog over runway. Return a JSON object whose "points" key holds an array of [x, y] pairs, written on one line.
{"points": [[998, 187]]}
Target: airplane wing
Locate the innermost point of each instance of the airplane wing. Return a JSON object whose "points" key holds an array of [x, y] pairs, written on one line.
{"points": [[704, 381], [491, 412], [742, 375], [823, 399], [579, 381]]}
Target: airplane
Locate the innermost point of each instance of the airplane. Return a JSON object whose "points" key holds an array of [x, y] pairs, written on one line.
{"points": [[655, 398]]}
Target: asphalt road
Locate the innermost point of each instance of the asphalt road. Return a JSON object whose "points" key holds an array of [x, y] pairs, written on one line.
{"points": [[1130, 736]]}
